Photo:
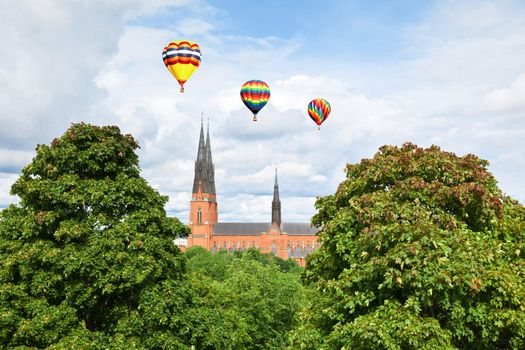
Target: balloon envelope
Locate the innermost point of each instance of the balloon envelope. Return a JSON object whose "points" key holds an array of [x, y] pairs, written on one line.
{"points": [[319, 110], [255, 94], [182, 58]]}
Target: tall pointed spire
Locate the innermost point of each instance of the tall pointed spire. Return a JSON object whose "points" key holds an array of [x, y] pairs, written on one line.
{"points": [[276, 204], [199, 181], [201, 153], [209, 164]]}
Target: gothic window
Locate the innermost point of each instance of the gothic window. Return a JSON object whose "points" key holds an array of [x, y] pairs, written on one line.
{"points": [[199, 216]]}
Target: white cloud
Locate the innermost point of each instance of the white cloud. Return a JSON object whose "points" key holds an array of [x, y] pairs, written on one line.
{"points": [[194, 26], [14, 160], [462, 89], [6, 181], [508, 98], [50, 53]]}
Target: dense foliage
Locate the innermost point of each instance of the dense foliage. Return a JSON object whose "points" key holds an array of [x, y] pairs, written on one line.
{"points": [[420, 250], [253, 298], [86, 257]]}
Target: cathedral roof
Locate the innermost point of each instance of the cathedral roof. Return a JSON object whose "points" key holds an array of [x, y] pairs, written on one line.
{"points": [[240, 228], [256, 228], [300, 229]]}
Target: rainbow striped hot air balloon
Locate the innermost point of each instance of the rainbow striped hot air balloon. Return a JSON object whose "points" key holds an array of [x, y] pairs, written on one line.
{"points": [[255, 94], [319, 110], [182, 58]]}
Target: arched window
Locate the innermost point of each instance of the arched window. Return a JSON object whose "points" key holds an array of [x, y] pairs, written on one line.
{"points": [[199, 216]]}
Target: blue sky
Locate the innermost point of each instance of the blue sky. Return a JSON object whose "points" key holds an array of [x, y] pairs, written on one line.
{"points": [[371, 30], [450, 73]]}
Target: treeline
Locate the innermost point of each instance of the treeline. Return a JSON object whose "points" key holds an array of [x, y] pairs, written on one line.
{"points": [[420, 249]]}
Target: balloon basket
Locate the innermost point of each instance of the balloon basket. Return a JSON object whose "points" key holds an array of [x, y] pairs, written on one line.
{"points": [[318, 127], [254, 118], [182, 89]]}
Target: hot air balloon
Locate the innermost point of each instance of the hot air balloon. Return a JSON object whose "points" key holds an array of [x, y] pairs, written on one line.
{"points": [[319, 110], [255, 94], [182, 58]]}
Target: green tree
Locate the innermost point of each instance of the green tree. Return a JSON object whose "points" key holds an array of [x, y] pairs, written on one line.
{"points": [[267, 299], [419, 250], [254, 301], [202, 261], [86, 257]]}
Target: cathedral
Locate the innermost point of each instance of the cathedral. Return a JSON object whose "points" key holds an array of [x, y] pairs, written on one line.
{"points": [[284, 239]]}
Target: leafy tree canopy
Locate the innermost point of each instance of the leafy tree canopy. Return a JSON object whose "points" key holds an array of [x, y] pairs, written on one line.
{"points": [[216, 265], [86, 257], [254, 299], [419, 250]]}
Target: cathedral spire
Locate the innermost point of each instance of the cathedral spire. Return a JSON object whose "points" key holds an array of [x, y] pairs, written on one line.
{"points": [[201, 153], [210, 180], [199, 181], [276, 204]]}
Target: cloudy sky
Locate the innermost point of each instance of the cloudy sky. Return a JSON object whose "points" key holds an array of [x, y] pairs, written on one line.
{"points": [[450, 73]]}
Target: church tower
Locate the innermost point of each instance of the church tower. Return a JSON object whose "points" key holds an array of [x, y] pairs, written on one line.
{"points": [[203, 205]]}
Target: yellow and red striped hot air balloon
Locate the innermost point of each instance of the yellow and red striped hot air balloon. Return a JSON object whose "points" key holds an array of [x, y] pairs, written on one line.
{"points": [[319, 110], [182, 58], [255, 94]]}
